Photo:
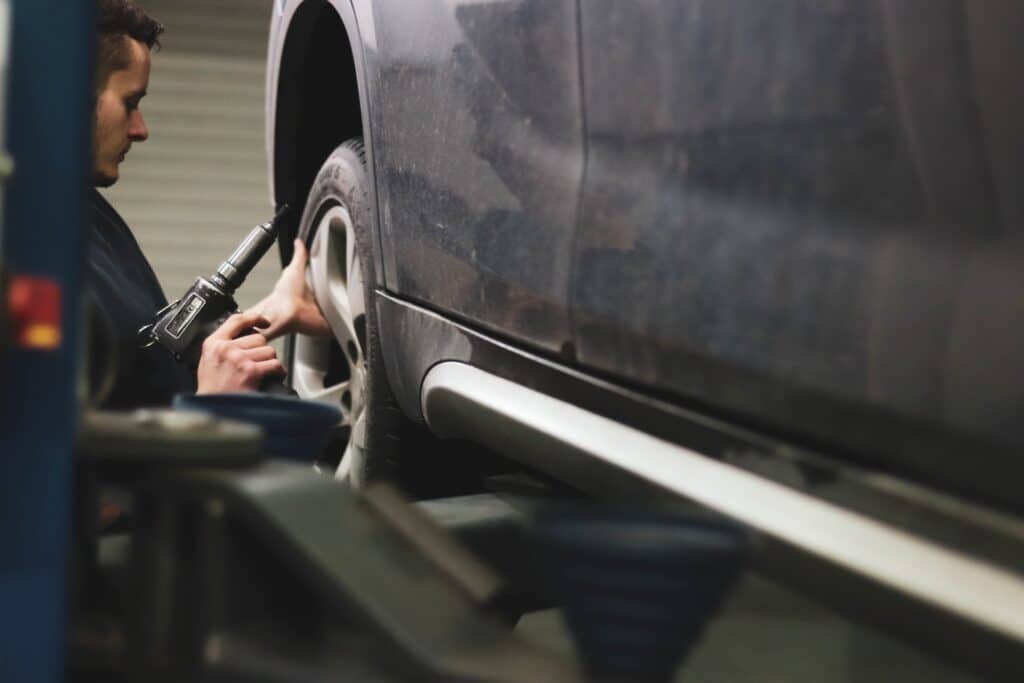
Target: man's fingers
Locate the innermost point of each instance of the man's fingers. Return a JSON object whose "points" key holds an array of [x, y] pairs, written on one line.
{"points": [[272, 332], [251, 341], [270, 367], [261, 354], [238, 323]]}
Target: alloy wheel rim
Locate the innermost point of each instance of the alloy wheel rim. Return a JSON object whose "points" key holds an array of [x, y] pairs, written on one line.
{"points": [[334, 370]]}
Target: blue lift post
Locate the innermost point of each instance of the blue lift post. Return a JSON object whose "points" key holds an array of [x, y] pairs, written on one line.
{"points": [[49, 111]]}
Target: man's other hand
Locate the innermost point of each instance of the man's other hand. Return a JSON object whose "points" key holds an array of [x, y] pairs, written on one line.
{"points": [[291, 307], [230, 362]]}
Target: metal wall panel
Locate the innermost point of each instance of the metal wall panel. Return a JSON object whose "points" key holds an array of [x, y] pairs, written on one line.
{"points": [[192, 191]]}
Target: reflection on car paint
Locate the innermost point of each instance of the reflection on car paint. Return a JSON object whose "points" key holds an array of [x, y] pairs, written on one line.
{"points": [[480, 161]]}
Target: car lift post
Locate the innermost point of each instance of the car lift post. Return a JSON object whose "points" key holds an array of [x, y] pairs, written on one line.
{"points": [[48, 105]]}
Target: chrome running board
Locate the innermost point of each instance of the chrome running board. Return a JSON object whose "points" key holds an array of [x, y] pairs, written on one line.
{"points": [[572, 444]]}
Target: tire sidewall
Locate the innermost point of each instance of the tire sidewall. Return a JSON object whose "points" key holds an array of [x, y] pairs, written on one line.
{"points": [[343, 180]]}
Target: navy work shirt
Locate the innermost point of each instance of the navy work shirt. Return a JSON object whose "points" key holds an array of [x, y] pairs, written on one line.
{"points": [[126, 291]]}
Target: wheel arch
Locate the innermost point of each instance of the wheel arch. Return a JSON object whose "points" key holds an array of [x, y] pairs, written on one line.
{"points": [[318, 100], [318, 97]]}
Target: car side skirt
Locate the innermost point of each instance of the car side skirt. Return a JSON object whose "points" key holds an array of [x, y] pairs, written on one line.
{"points": [[884, 551]]}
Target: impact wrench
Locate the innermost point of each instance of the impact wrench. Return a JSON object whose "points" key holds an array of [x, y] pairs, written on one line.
{"points": [[181, 327]]}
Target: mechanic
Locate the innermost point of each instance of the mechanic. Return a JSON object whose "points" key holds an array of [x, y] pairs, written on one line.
{"points": [[121, 282]]}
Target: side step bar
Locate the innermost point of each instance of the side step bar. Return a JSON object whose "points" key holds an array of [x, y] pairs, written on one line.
{"points": [[600, 455]]}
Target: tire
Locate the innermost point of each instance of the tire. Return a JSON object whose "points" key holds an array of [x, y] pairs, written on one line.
{"points": [[336, 226], [378, 442]]}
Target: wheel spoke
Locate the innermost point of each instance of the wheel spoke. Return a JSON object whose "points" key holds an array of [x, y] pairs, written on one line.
{"points": [[336, 278], [308, 372], [330, 296], [333, 395], [331, 278], [355, 452], [345, 466], [359, 430], [357, 305]]}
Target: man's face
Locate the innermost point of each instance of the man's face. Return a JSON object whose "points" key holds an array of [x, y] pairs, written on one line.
{"points": [[118, 120]]}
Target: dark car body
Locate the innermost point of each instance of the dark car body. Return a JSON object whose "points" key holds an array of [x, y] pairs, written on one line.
{"points": [[785, 235], [803, 216]]}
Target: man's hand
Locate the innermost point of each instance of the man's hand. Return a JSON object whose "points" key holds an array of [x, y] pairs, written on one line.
{"points": [[291, 306], [232, 363]]}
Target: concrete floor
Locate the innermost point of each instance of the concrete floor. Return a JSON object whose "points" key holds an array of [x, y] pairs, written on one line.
{"points": [[767, 634]]}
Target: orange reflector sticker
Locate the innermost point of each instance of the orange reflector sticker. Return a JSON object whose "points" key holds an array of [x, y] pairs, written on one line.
{"points": [[33, 304], [41, 337]]}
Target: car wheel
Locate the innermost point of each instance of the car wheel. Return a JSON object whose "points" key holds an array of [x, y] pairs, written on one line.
{"points": [[346, 370]]}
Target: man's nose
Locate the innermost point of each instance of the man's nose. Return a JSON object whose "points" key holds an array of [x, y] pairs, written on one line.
{"points": [[137, 131]]}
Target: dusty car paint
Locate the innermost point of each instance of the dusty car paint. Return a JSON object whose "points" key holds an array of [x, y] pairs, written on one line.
{"points": [[807, 213], [479, 157], [801, 215]]}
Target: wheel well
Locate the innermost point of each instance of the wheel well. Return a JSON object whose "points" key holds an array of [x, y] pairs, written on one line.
{"points": [[318, 106]]}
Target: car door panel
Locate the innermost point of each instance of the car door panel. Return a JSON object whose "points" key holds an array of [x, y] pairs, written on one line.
{"points": [[478, 152], [790, 216]]}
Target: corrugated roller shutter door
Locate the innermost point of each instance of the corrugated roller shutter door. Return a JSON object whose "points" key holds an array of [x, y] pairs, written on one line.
{"points": [[193, 190]]}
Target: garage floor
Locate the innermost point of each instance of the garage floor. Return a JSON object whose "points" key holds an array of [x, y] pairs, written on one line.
{"points": [[766, 634]]}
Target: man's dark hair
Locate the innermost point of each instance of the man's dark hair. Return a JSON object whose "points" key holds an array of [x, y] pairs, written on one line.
{"points": [[119, 20]]}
